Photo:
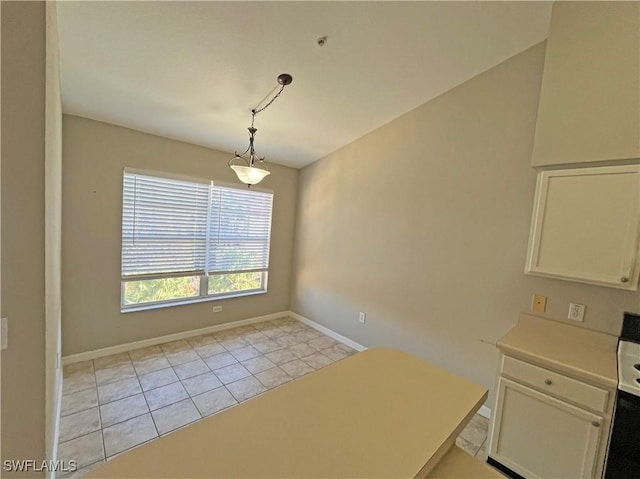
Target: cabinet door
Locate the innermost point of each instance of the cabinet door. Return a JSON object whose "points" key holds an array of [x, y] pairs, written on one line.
{"points": [[541, 437], [589, 99], [586, 226]]}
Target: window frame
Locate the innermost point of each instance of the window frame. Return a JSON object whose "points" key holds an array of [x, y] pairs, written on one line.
{"points": [[203, 292], [130, 308]]}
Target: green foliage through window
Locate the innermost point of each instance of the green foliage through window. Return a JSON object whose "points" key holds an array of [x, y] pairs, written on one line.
{"points": [[140, 292], [154, 290], [225, 283]]}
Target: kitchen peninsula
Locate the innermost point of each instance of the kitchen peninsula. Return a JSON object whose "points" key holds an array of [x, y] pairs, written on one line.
{"points": [[380, 413]]}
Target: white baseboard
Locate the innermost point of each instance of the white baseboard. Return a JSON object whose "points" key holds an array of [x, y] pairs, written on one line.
{"points": [[121, 348], [484, 411], [327, 331]]}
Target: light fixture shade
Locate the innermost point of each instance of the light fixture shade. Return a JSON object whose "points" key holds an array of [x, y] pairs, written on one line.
{"points": [[250, 175]]}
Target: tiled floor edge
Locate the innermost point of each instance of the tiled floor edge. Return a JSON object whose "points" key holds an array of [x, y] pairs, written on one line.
{"points": [[121, 348], [329, 332], [485, 411]]}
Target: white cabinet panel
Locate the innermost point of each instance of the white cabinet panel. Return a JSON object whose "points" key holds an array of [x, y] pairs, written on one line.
{"points": [[589, 99], [586, 226], [541, 437]]}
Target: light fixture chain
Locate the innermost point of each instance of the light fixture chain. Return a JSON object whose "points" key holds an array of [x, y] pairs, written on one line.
{"points": [[255, 111]]}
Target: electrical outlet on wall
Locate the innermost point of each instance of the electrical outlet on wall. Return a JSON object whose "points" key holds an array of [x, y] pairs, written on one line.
{"points": [[362, 317], [576, 312], [217, 309]]}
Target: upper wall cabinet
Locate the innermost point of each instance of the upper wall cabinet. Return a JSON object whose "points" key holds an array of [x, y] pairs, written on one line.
{"points": [[590, 97], [586, 226]]}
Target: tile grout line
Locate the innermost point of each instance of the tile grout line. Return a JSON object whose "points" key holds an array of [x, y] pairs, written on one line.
{"points": [[480, 448], [79, 410], [132, 447], [104, 449], [139, 415], [153, 420]]}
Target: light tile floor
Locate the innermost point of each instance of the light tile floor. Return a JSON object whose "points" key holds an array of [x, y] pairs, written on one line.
{"points": [[118, 402], [473, 438]]}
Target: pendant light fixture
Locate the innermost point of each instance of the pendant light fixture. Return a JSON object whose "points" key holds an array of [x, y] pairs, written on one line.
{"points": [[252, 169]]}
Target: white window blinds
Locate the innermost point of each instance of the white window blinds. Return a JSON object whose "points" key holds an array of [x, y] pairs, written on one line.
{"points": [[174, 227], [164, 226], [239, 230]]}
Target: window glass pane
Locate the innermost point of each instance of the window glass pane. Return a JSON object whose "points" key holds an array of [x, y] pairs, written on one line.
{"points": [[226, 283], [152, 290]]}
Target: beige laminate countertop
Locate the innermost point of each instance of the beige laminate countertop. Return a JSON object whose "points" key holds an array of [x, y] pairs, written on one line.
{"points": [[585, 354], [380, 413], [457, 464]]}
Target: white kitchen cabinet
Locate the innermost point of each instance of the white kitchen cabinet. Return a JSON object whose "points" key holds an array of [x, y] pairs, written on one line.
{"points": [[555, 396], [538, 436], [586, 226]]}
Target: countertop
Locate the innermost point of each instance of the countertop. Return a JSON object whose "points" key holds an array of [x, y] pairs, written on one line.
{"points": [[379, 413], [457, 464], [578, 352]]}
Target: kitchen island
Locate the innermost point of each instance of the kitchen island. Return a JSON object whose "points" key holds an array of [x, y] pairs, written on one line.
{"points": [[380, 413]]}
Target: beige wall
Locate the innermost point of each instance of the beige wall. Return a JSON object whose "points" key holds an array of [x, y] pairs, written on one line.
{"points": [[423, 224], [53, 228], [94, 156], [23, 229]]}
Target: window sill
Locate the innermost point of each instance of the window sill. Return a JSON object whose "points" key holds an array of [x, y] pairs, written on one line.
{"points": [[149, 306]]}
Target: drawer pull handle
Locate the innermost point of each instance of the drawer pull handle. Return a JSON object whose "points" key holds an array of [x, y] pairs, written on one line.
{"points": [[595, 423], [548, 382], [624, 279]]}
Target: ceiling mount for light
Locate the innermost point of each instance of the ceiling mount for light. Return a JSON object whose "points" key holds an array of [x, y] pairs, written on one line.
{"points": [[284, 79], [254, 169]]}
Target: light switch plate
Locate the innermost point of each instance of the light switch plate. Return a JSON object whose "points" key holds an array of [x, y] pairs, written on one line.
{"points": [[539, 303], [4, 333]]}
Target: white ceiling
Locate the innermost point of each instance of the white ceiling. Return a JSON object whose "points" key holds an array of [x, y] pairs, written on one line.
{"points": [[193, 70]]}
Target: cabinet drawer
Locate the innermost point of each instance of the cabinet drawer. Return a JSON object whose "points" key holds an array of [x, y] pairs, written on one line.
{"points": [[553, 383]]}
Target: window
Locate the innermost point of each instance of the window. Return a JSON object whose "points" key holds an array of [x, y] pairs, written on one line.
{"points": [[186, 240]]}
